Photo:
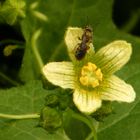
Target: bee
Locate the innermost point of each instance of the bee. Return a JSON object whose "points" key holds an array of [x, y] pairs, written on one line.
{"points": [[84, 45]]}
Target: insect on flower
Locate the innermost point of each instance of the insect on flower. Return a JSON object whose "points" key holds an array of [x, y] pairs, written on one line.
{"points": [[84, 45], [93, 81]]}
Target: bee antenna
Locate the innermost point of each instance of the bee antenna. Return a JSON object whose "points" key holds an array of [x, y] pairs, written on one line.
{"points": [[87, 21]]}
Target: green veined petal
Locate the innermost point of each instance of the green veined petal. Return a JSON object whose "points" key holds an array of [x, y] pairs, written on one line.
{"points": [[115, 89], [86, 102], [113, 56], [60, 74]]}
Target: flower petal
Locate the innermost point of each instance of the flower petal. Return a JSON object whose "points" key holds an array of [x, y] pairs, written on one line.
{"points": [[115, 89], [60, 74], [113, 56], [86, 102], [72, 41]]}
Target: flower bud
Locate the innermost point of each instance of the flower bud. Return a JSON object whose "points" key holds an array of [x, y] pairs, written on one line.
{"points": [[50, 119]]}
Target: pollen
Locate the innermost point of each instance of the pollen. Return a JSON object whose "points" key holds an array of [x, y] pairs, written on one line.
{"points": [[91, 75]]}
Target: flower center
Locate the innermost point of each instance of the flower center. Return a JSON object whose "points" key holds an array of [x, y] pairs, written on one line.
{"points": [[91, 75]]}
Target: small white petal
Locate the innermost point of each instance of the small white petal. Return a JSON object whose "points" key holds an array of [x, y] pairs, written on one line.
{"points": [[60, 73], [115, 89], [86, 102], [113, 56], [72, 41]]}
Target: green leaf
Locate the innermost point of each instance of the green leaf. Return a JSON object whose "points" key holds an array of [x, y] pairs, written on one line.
{"points": [[28, 99]]}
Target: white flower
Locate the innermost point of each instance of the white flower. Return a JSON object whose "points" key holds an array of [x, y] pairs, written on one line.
{"points": [[92, 78]]}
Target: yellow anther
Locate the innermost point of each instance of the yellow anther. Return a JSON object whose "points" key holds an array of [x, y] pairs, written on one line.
{"points": [[91, 75], [95, 83], [99, 74], [84, 80], [92, 66], [85, 70]]}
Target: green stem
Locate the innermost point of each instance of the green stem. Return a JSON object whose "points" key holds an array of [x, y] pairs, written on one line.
{"points": [[18, 117], [34, 48], [93, 127], [9, 79], [86, 120], [11, 41], [89, 136]]}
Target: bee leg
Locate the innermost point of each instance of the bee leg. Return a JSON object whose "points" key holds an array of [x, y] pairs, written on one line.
{"points": [[87, 47], [75, 48], [79, 38]]}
